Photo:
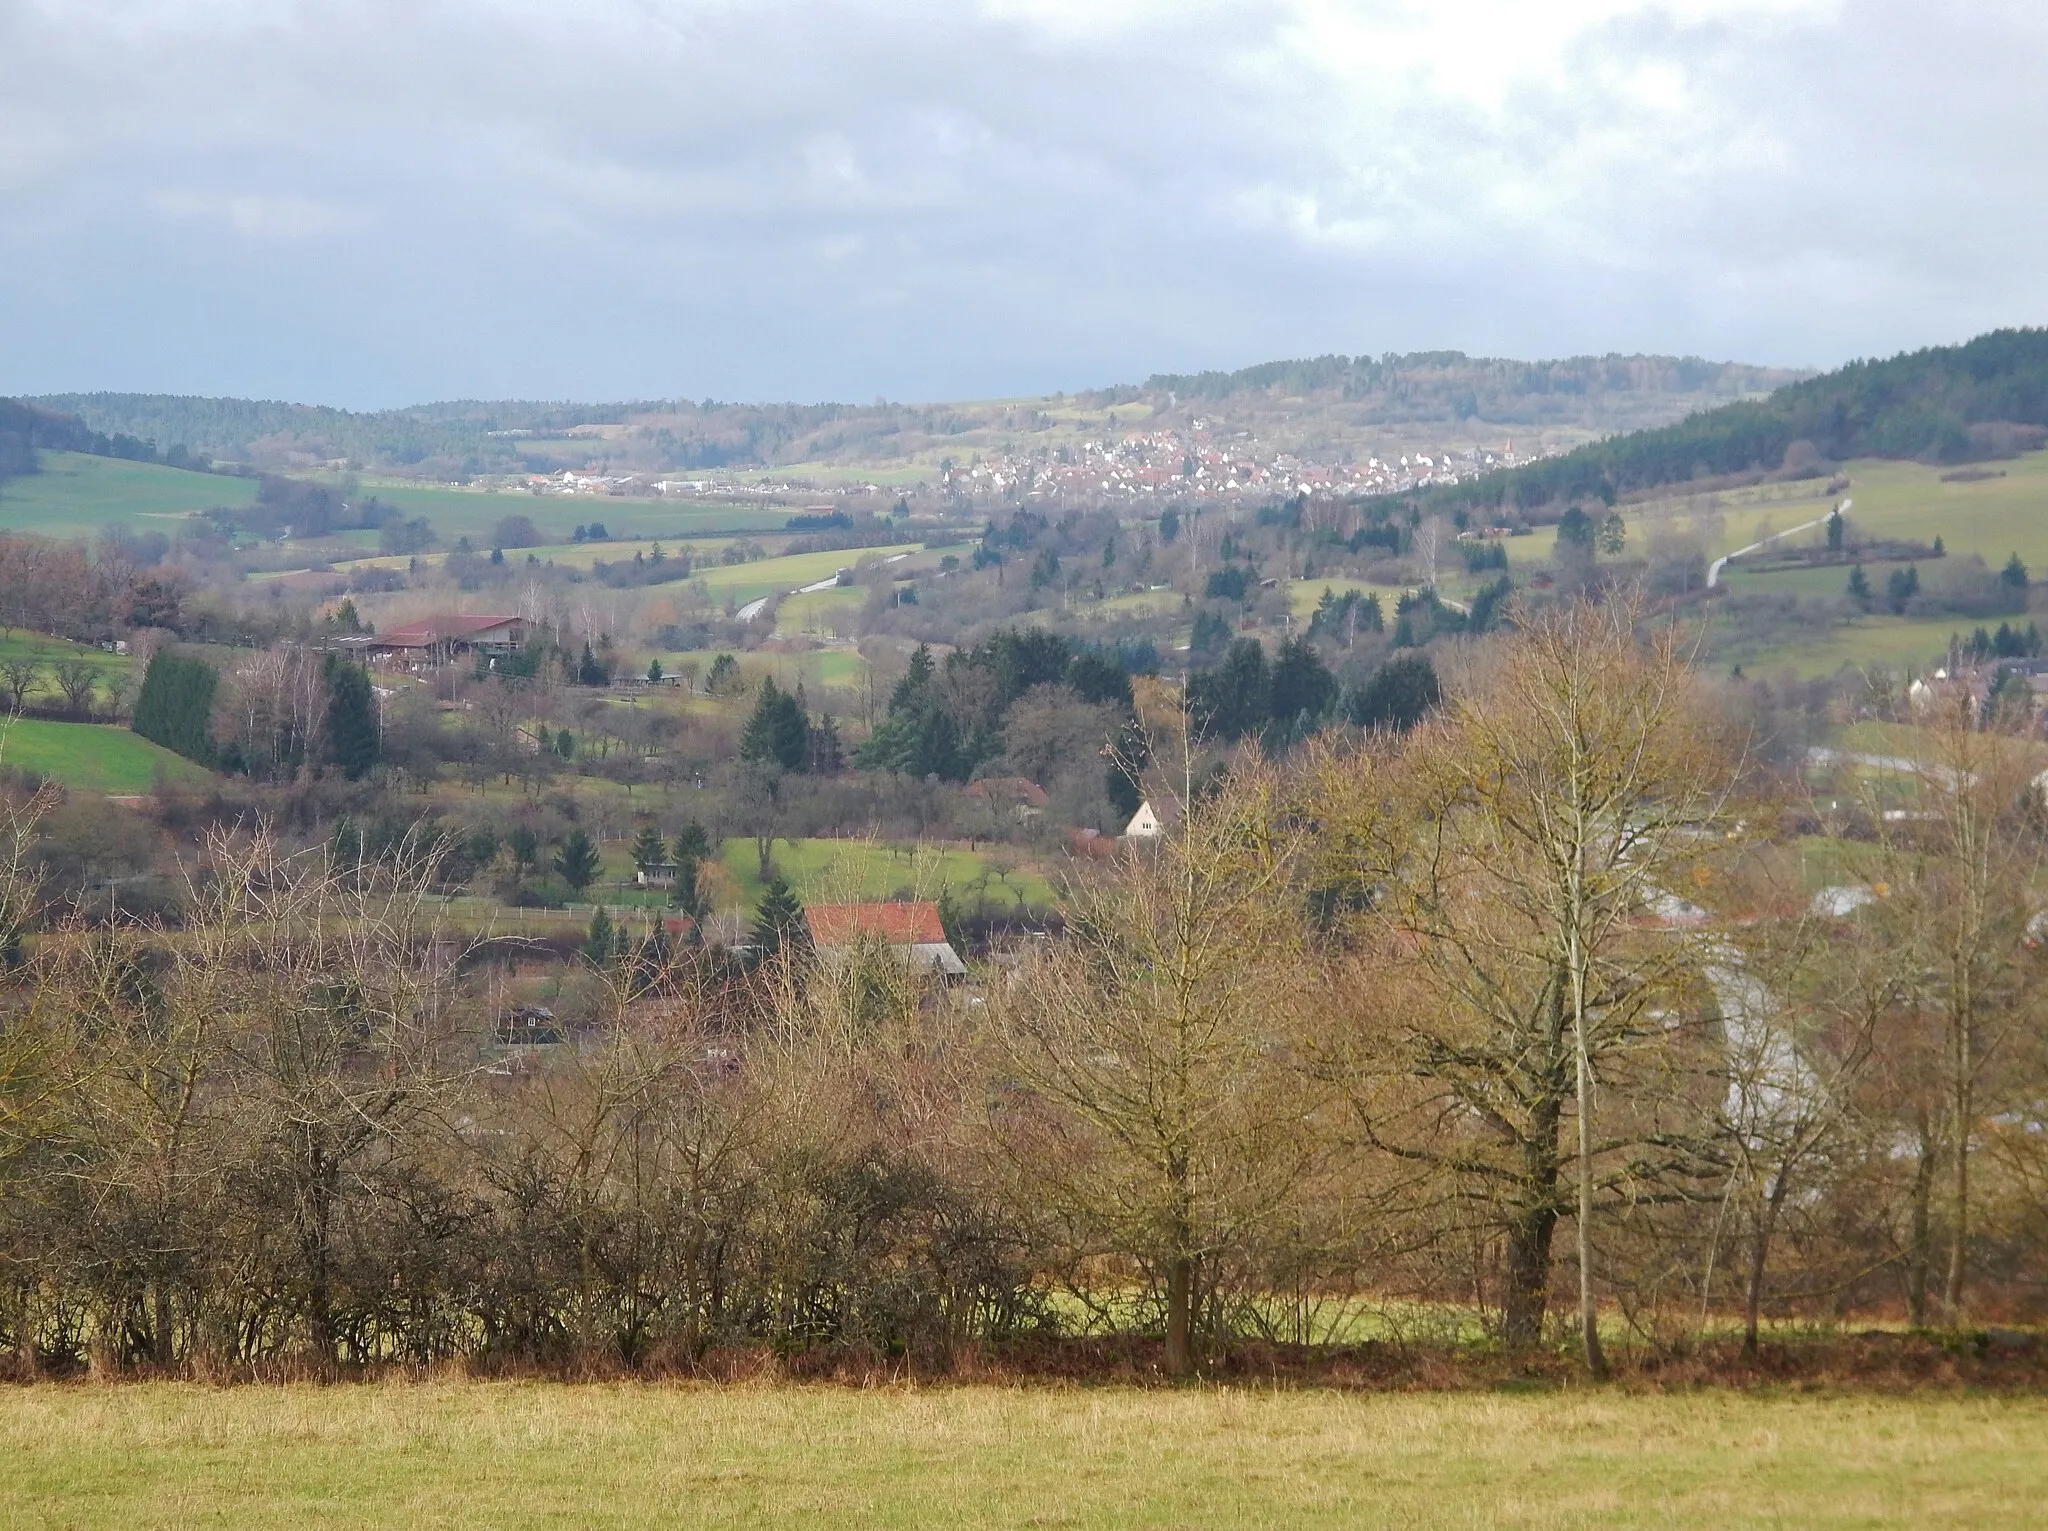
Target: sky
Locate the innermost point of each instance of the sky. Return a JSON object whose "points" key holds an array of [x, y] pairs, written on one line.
{"points": [[377, 202]]}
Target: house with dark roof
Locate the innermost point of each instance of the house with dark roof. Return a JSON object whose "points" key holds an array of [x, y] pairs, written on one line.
{"points": [[910, 928], [435, 640]]}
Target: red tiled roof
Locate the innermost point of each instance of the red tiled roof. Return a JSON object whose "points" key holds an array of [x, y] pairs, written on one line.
{"points": [[429, 629], [902, 924]]}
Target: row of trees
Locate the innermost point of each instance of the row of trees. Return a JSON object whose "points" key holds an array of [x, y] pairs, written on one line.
{"points": [[277, 710], [1535, 998]]}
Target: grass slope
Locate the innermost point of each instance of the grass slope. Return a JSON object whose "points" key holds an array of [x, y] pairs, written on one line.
{"points": [[833, 871], [472, 513], [509, 1454], [776, 576], [95, 756], [76, 495]]}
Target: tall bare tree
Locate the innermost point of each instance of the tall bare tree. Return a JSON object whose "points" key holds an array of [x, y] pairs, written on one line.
{"points": [[1961, 847], [1567, 797], [1165, 1122]]}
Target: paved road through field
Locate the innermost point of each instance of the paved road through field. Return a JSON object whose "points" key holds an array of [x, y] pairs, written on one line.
{"points": [[1714, 570]]}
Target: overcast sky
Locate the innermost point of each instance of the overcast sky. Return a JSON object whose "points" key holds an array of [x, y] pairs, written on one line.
{"points": [[373, 202]]}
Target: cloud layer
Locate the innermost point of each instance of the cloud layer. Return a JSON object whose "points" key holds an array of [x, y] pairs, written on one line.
{"points": [[371, 202]]}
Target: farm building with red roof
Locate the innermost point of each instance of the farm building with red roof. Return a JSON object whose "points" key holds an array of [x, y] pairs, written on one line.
{"points": [[909, 928]]}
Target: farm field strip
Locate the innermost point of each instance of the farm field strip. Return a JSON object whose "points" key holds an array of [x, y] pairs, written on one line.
{"points": [[509, 1454], [831, 871], [98, 757], [77, 494]]}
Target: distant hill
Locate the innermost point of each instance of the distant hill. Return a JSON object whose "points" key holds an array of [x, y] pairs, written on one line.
{"points": [[1603, 393], [1330, 407], [25, 427], [1947, 404]]}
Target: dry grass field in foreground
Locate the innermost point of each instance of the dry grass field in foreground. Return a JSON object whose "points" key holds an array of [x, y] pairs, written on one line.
{"points": [[532, 1455]]}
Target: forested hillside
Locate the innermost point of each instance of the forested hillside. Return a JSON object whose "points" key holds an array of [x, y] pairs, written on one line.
{"points": [[24, 427], [1986, 398], [1598, 392], [1332, 407]]}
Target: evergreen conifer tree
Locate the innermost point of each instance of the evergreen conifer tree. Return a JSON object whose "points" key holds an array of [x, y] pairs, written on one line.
{"points": [[600, 940], [649, 849], [578, 861], [693, 842], [779, 922], [777, 733], [351, 718], [828, 755], [175, 706]]}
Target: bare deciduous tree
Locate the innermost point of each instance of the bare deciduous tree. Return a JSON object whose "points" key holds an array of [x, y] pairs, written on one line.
{"points": [[1166, 1123]]}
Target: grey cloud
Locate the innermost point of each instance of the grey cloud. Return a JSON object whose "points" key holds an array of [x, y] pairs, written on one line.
{"points": [[373, 202]]}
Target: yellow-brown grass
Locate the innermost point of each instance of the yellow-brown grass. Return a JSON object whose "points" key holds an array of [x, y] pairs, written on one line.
{"points": [[513, 1454]]}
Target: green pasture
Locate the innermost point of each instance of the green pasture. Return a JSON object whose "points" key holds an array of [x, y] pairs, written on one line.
{"points": [[813, 614], [1302, 594], [843, 871], [568, 555], [1993, 517], [1828, 582], [97, 757], [515, 1454], [39, 648], [472, 513], [1896, 642], [774, 576], [814, 669], [78, 496], [1141, 603]]}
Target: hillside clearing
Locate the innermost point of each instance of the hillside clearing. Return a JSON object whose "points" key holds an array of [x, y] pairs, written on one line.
{"points": [[828, 871], [97, 757], [76, 494], [533, 1455], [472, 513]]}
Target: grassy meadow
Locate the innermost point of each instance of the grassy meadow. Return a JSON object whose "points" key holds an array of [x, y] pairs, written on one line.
{"points": [[97, 757], [472, 513], [76, 495], [507, 1454], [829, 871]]}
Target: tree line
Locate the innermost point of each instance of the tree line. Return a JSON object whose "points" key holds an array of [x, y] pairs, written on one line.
{"points": [[1530, 1019], [1985, 398]]}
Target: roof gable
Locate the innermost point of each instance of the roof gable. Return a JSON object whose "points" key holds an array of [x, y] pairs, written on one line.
{"points": [[911, 923], [457, 626]]}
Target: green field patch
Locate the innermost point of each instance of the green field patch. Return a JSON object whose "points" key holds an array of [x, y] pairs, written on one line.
{"points": [[97, 757], [76, 495], [1830, 581], [776, 576], [821, 613], [472, 513], [1303, 594], [1992, 517], [839, 871], [567, 555], [1895, 642]]}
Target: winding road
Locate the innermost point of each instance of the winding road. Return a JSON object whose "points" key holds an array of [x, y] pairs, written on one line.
{"points": [[1714, 570]]}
